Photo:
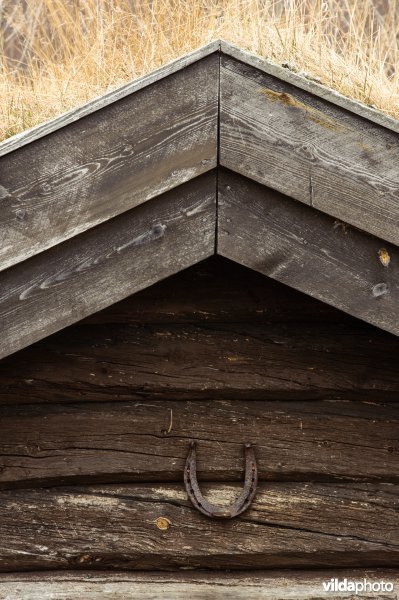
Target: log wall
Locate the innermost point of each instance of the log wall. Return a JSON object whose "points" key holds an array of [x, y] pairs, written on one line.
{"points": [[97, 419]]}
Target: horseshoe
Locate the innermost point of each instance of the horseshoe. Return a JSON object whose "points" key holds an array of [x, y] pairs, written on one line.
{"points": [[221, 512]]}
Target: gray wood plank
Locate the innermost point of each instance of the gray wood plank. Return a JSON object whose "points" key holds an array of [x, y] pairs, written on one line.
{"points": [[56, 288], [149, 441], [309, 149], [30, 135], [109, 161], [309, 251], [289, 525], [309, 84], [245, 585]]}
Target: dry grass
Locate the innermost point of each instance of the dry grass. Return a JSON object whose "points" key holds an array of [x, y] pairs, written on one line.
{"points": [[57, 54]]}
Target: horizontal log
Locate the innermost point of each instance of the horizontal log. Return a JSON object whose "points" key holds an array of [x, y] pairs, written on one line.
{"points": [[307, 148], [217, 290], [289, 525], [256, 585], [205, 360], [109, 161], [149, 441], [308, 250], [106, 264]]}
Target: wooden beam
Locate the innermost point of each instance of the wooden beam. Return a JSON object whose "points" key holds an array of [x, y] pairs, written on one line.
{"points": [[309, 251], [130, 149], [42, 129], [58, 287], [309, 149], [201, 361], [256, 585], [149, 441], [289, 525]]}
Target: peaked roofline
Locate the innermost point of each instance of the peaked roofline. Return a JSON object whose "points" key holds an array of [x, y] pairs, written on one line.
{"points": [[122, 192], [267, 66]]}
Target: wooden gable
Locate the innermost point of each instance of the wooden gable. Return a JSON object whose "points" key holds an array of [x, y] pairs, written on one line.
{"points": [[218, 152]]}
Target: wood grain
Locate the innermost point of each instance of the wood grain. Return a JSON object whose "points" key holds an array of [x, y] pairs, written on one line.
{"points": [[309, 149], [149, 441], [205, 361], [289, 525], [104, 265], [306, 82], [109, 161], [309, 251], [245, 585], [42, 129]]}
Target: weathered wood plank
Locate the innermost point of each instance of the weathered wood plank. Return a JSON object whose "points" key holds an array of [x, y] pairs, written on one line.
{"points": [[307, 83], [309, 149], [205, 361], [218, 290], [289, 525], [104, 265], [39, 131], [137, 441], [253, 585], [308, 251], [109, 161]]}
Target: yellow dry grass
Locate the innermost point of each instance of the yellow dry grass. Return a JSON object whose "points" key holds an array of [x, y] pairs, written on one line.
{"points": [[57, 54]]}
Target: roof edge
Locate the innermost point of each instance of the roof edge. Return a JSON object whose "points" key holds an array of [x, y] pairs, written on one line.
{"points": [[309, 85], [267, 66], [42, 129]]}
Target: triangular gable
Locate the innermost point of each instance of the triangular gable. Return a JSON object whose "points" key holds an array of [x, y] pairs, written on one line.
{"points": [[219, 152]]}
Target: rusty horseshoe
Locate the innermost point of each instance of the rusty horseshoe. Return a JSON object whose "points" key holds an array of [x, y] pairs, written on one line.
{"points": [[221, 512]]}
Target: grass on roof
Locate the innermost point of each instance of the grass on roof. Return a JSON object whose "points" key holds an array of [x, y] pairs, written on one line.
{"points": [[58, 54]]}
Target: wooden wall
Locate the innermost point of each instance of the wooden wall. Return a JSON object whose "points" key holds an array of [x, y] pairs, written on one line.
{"points": [[96, 422]]}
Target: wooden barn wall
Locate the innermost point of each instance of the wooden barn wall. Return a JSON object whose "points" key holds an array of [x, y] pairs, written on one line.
{"points": [[96, 422]]}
